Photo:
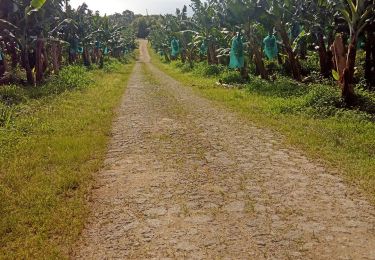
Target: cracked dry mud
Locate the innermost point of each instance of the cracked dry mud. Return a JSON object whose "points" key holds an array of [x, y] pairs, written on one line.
{"points": [[185, 178]]}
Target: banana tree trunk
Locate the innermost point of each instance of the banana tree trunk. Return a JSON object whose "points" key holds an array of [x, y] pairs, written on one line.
{"points": [[256, 52], [370, 58], [101, 60], [3, 65], [59, 54], [211, 54], [183, 55], [294, 64], [352, 53], [339, 55], [13, 55], [86, 57], [29, 73], [345, 62], [39, 60], [303, 50], [191, 56], [72, 56], [55, 57], [165, 50], [260, 64], [325, 68], [348, 75]]}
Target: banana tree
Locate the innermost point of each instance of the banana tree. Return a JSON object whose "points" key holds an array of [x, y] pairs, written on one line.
{"points": [[159, 38], [193, 40], [57, 38], [356, 15], [370, 50], [279, 13], [321, 23], [244, 13], [18, 26], [206, 21]]}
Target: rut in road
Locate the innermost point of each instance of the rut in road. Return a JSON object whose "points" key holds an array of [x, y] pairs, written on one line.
{"points": [[185, 178]]}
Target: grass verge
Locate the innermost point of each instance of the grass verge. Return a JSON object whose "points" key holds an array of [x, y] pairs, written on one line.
{"points": [[342, 139], [49, 153]]}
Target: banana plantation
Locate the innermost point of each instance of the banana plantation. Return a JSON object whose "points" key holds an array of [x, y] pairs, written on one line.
{"points": [[39, 37], [308, 40], [239, 129]]}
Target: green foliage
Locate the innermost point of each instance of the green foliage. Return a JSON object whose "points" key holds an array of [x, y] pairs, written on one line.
{"points": [[111, 65], [6, 115], [323, 96], [183, 67], [141, 27], [321, 101], [204, 69], [310, 64], [282, 87], [12, 95], [66, 32], [365, 101], [37, 4], [231, 77], [47, 158], [272, 67], [14, 99], [70, 77]]}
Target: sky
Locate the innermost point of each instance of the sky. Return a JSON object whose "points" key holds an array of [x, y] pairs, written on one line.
{"points": [[137, 6]]}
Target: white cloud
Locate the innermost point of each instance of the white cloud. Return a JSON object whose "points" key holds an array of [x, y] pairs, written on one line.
{"points": [[137, 6]]}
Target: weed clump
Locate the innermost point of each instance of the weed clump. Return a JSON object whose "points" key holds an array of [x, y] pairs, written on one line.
{"points": [[282, 87], [231, 77], [203, 69], [12, 95], [71, 77], [14, 98]]}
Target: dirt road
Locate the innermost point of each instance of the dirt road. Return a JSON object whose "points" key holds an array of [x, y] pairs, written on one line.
{"points": [[187, 179]]}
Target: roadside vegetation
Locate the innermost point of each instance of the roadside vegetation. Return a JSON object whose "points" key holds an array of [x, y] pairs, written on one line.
{"points": [[53, 141], [63, 72]]}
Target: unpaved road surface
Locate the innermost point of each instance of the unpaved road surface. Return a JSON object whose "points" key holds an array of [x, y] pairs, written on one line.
{"points": [[187, 179]]}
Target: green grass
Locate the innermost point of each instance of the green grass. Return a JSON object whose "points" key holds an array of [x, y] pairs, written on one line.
{"points": [[307, 116], [49, 152]]}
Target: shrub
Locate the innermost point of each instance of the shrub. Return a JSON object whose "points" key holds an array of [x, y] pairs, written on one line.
{"points": [[310, 64], [272, 66], [12, 95], [177, 64], [186, 67], [323, 96], [231, 77], [321, 101], [70, 77], [111, 65], [282, 87], [6, 115], [207, 70], [365, 101]]}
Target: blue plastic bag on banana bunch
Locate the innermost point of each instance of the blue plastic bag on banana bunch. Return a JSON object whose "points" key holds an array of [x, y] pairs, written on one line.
{"points": [[203, 49], [175, 47], [237, 60], [270, 47]]}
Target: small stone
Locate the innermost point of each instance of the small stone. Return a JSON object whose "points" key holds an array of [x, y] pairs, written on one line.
{"points": [[236, 206], [153, 222], [186, 246], [199, 219], [261, 243], [160, 211]]}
